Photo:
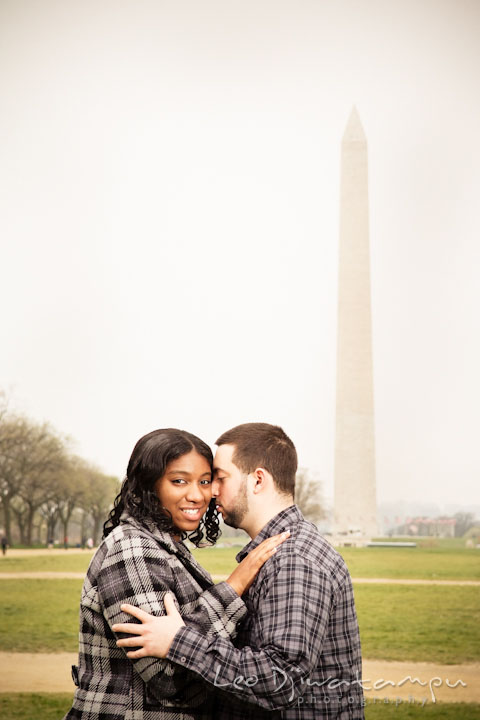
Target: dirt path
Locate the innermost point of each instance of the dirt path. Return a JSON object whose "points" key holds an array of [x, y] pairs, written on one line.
{"points": [[402, 680], [42, 575], [412, 581], [46, 672], [39, 672], [46, 551]]}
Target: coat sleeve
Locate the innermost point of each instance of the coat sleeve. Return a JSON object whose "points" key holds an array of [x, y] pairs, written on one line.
{"points": [[293, 617], [135, 571], [217, 611]]}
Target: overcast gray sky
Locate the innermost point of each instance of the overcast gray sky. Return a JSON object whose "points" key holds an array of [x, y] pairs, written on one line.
{"points": [[169, 218]]}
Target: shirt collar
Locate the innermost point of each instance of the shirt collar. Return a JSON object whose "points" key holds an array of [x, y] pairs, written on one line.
{"points": [[284, 520]]}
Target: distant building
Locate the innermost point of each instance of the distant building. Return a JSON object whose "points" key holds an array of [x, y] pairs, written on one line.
{"points": [[441, 527]]}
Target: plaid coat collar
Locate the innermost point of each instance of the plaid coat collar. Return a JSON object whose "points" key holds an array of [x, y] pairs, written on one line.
{"points": [[174, 547]]}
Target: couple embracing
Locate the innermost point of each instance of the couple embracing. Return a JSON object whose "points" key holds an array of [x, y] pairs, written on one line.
{"points": [[159, 641]]}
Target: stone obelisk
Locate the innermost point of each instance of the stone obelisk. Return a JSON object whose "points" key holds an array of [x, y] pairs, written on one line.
{"points": [[355, 493]]}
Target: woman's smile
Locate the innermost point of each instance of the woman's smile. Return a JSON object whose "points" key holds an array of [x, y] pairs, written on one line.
{"points": [[192, 511]]}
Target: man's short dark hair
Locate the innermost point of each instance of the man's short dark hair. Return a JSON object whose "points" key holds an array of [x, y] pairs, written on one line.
{"points": [[267, 446]]}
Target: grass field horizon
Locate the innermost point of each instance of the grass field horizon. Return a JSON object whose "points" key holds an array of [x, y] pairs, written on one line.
{"points": [[435, 561]]}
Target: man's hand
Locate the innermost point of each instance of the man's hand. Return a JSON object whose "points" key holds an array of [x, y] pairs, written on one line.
{"points": [[155, 635]]}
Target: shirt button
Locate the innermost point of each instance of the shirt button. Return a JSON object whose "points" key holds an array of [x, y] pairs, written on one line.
{"points": [[183, 658]]}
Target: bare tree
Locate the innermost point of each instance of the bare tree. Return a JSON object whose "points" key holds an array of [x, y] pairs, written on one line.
{"points": [[19, 512], [464, 521], [49, 511], [70, 491], [40, 462], [308, 496], [14, 441], [99, 498]]}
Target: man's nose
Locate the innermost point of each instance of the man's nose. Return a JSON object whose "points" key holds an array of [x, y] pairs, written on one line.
{"points": [[215, 487]]}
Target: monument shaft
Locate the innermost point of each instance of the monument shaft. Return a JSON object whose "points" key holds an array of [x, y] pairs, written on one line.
{"points": [[355, 493]]}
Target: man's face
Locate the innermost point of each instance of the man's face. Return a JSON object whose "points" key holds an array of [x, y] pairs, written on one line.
{"points": [[229, 487]]}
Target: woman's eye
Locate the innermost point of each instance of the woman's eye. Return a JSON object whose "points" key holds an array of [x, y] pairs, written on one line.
{"points": [[178, 481], [207, 482]]}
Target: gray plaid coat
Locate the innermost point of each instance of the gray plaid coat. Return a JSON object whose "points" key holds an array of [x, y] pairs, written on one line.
{"points": [[139, 566]]}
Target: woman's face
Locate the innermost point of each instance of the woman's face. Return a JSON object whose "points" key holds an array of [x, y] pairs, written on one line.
{"points": [[185, 490]]}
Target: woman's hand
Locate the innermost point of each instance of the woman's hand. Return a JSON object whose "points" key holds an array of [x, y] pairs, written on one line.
{"points": [[246, 571]]}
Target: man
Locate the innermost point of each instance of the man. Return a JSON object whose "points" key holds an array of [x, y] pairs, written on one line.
{"points": [[297, 655]]}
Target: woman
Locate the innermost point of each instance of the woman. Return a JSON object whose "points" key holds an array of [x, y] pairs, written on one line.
{"points": [[165, 498]]}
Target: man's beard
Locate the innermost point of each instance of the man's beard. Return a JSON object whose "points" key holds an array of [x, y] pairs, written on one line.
{"points": [[234, 518]]}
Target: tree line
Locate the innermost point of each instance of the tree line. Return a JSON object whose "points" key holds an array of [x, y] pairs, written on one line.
{"points": [[42, 483], [44, 486]]}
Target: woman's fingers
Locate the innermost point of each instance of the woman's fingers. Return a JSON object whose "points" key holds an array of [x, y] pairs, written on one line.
{"points": [[278, 539], [275, 539], [131, 642], [272, 543], [267, 548], [135, 611]]}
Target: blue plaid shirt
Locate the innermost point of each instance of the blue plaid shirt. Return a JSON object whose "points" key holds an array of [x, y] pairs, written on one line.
{"points": [[297, 654]]}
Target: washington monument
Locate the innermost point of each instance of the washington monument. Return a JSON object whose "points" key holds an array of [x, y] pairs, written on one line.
{"points": [[355, 494]]}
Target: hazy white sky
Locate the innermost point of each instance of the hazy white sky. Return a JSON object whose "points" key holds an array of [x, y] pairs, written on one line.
{"points": [[169, 204]]}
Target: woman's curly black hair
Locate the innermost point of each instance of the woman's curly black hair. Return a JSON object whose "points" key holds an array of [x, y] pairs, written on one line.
{"points": [[137, 496]]}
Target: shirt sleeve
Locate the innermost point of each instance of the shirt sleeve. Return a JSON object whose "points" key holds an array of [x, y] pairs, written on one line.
{"points": [[293, 619], [135, 572]]}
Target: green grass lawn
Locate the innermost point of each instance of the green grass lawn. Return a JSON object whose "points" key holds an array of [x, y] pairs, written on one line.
{"points": [[419, 623], [439, 711], [47, 563], [52, 706], [34, 706], [218, 561], [39, 615], [431, 563], [415, 623]]}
